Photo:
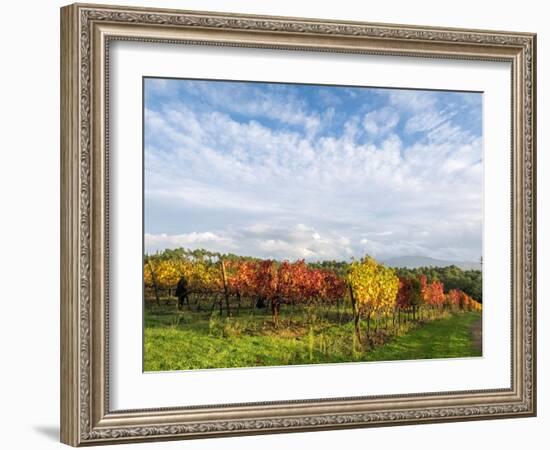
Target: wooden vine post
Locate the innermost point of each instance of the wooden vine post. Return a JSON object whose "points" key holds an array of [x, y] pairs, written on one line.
{"points": [[225, 289], [356, 319]]}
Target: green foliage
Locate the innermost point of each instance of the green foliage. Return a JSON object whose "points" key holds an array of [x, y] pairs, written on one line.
{"points": [[452, 277], [416, 292], [338, 267]]}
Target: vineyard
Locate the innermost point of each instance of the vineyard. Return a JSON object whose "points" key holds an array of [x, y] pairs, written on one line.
{"points": [[210, 310]]}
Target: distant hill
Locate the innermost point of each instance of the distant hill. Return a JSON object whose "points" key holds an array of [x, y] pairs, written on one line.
{"points": [[412, 262]]}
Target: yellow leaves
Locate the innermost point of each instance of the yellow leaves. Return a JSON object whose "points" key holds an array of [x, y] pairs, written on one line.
{"points": [[200, 275], [167, 274], [147, 276], [374, 285]]}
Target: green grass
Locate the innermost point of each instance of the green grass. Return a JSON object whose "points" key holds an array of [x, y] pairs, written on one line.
{"points": [[441, 338], [197, 340]]}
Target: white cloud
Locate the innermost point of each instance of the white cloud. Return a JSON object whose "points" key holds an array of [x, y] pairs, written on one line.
{"points": [[277, 242], [413, 100], [426, 121], [380, 121], [302, 193], [194, 240], [250, 101]]}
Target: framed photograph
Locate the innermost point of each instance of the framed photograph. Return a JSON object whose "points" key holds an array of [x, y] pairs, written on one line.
{"points": [[278, 224]]}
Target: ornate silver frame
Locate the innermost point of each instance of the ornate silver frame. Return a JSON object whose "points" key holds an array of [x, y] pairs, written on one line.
{"points": [[86, 31]]}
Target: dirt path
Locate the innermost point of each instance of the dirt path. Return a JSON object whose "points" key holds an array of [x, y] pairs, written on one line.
{"points": [[476, 335]]}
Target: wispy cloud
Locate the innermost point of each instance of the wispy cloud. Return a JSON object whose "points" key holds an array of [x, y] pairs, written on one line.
{"points": [[293, 171], [381, 121]]}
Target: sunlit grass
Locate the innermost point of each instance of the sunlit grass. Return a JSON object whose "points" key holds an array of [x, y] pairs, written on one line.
{"points": [[177, 340]]}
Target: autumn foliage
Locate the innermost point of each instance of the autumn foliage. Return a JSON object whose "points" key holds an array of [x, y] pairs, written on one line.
{"points": [[370, 288]]}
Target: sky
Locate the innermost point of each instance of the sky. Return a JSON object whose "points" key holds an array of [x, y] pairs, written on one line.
{"points": [[293, 171]]}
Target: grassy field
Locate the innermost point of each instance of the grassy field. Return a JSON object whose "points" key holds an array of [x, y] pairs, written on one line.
{"points": [[176, 340], [442, 338]]}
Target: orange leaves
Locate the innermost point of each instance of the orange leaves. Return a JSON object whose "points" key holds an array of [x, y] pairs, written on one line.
{"points": [[432, 293], [285, 281], [459, 299], [453, 297], [242, 277]]}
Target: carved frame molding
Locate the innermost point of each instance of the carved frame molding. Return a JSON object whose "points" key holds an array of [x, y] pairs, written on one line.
{"points": [[86, 33]]}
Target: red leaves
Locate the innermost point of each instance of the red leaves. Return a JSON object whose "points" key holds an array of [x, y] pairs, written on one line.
{"points": [[334, 286], [286, 281], [405, 293], [242, 277], [432, 294]]}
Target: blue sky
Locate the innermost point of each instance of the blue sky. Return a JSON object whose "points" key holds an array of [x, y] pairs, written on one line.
{"points": [[293, 171]]}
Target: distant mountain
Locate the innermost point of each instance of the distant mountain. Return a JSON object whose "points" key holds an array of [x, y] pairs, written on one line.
{"points": [[412, 262]]}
